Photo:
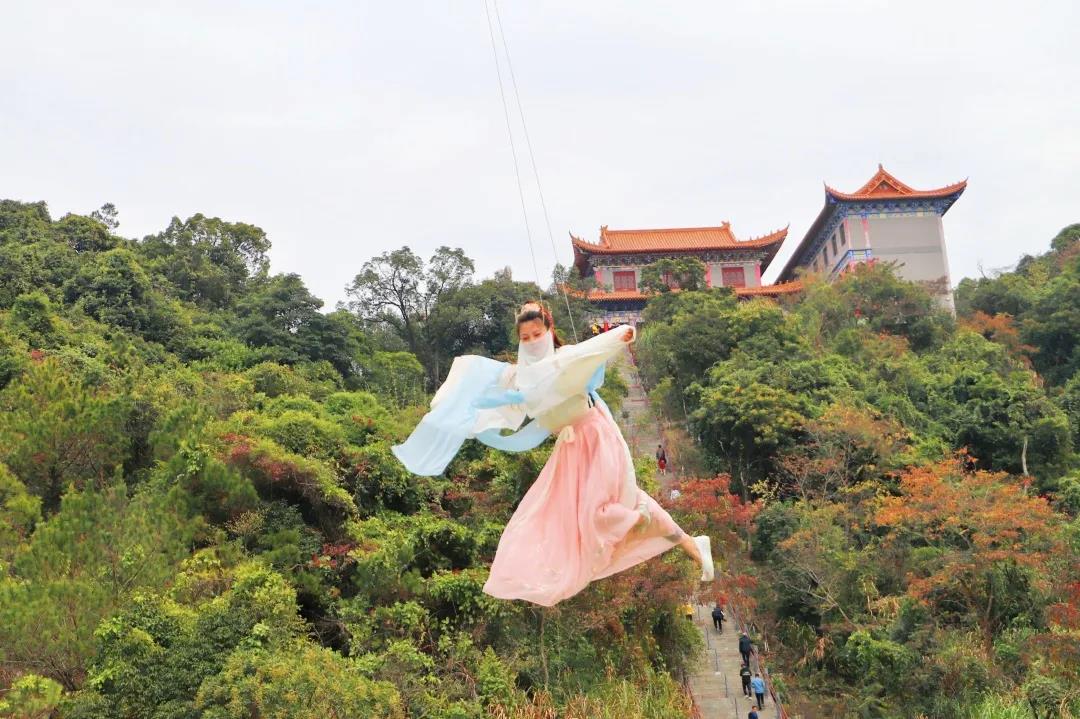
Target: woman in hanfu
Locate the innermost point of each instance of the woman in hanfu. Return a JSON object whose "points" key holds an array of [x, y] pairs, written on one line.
{"points": [[584, 518]]}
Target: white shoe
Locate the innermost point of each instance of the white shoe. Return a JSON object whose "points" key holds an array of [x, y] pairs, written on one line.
{"points": [[704, 545]]}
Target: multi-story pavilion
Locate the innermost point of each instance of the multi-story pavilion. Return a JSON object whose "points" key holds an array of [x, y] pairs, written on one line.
{"points": [[617, 259], [884, 220]]}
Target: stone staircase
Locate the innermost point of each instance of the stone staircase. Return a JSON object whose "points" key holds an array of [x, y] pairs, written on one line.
{"points": [[714, 678]]}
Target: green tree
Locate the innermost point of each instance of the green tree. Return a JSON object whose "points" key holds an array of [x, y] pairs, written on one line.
{"points": [[24, 222], [337, 338], [707, 317], [54, 431], [20, 512], [268, 683], [877, 296], [106, 215], [207, 260], [85, 234], [281, 316], [1069, 401], [12, 357], [1042, 295], [395, 377], [153, 655], [31, 697], [743, 416], [32, 319], [80, 566], [686, 273], [996, 409], [398, 290], [114, 289], [1052, 324], [32, 255], [477, 319]]}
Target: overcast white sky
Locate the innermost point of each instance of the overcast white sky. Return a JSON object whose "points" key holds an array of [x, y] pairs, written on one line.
{"points": [[347, 128]]}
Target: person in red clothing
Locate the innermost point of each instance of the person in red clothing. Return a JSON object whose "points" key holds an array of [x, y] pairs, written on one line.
{"points": [[607, 326], [661, 459]]}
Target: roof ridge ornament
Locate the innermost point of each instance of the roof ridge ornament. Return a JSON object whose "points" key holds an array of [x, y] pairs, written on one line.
{"points": [[885, 185]]}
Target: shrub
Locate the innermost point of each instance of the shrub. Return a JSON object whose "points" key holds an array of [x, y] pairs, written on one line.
{"points": [[297, 682], [278, 473]]}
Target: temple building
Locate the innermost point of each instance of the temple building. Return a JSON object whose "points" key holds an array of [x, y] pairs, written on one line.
{"points": [[884, 220], [617, 259]]}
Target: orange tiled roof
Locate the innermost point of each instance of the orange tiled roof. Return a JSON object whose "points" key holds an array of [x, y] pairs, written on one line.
{"points": [[677, 239], [786, 288], [884, 186], [781, 288]]}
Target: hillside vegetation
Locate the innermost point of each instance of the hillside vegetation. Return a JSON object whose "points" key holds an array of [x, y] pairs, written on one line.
{"points": [[200, 515], [914, 476]]}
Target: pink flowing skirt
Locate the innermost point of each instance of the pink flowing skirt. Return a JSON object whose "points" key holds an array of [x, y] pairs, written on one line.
{"points": [[576, 522]]}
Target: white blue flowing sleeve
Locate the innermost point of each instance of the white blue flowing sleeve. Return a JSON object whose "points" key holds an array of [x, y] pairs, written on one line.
{"points": [[572, 370], [528, 437], [534, 433], [596, 382], [456, 415], [481, 397]]}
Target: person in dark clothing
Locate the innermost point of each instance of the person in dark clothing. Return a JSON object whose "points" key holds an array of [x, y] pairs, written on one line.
{"points": [[744, 674], [753, 714], [661, 459], [718, 618], [745, 647]]}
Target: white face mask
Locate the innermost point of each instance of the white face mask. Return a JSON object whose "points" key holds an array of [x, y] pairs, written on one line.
{"points": [[536, 350]]}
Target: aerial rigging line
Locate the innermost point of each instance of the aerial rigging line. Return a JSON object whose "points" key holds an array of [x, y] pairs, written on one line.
{"points": [[532, 157], [513, 150]]}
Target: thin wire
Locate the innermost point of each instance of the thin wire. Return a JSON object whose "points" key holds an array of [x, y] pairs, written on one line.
{"points": [[513, 149], [532, 159]]}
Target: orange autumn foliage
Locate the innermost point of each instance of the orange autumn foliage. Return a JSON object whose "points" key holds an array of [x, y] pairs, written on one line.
{"points": [[1002, 329], [975, 521], [707, 505], [985, 516]]}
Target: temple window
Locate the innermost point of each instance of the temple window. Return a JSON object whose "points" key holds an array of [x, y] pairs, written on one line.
{"points": [[624, 280], [834, 250], [733, 277], [843, 234]]}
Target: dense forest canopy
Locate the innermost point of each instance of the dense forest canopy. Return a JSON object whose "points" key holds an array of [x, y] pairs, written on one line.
{"points": [[200, 514], [916, 478]]}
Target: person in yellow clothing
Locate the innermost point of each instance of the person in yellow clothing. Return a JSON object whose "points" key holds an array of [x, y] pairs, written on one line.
{"points": [[688, 611]]}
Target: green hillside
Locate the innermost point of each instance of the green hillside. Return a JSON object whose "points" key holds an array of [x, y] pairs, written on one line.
{"points": [[915, 477], [200, 515]]}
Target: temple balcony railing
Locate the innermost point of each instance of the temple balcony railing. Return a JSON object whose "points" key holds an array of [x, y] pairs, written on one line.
{"points": [[849, 259]]}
